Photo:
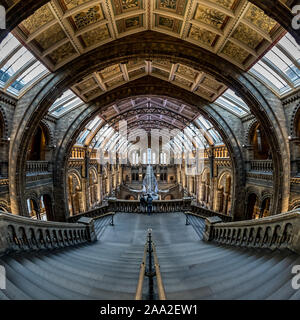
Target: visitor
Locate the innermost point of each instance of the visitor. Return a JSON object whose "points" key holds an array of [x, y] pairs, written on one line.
{"points": [[149, 204], [143, 203]]}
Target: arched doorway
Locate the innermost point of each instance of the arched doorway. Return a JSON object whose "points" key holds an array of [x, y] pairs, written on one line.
{"points": [[74, 193], [259, 142], [252, 207], [93, 185], [37, 146], [33, 209], [47, 208], [265, 208], [224, 193]]}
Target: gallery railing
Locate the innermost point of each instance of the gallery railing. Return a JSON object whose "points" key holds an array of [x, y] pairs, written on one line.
{"points": [[24, 234], [280, 231], [202, 212], [261, 165], [38, 167], [158, 206]]}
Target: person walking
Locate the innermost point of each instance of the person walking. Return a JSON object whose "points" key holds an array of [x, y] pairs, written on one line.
{"points": [[149, 204]]}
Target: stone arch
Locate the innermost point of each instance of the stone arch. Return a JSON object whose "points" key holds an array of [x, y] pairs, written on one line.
{"points": [[249, 131], [224, 192], [49, 133], [295, 204], [3, 125], [93, 187], [4, 205], [74, 192], [146, 45]]}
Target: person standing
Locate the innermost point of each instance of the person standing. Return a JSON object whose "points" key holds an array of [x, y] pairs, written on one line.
{"points": [[149, 204]]}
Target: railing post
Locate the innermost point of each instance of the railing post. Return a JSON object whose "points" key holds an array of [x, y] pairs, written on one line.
{"points": [[150, 272], [187, 222]]}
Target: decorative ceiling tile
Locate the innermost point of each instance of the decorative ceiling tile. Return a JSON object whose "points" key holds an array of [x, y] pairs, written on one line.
{"points": [[235, 52], [164, 63], [168, 23], [260, 19], [136, 73], [135, 62], [110, 71], [228, 4], [70, 4], [160, 72], [247, 35], [86, 84], [176, 6], [95, 36], [62, 53], [122, 6], [183, 81], [115, 81], [213, 84], [205, 93], [92, 93], [203, 36], [87, 17], [131, 23], [50, 37], [186, 71], [41, 16], [210, 16]]}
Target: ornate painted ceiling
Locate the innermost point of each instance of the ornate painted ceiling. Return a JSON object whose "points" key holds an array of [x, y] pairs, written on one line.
{"points": [[181, 75], [64, 29]]}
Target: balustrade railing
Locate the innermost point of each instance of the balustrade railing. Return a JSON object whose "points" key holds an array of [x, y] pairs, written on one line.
{"points": [[158, 206], [37, 166], [280, 231], [261, 165], [24, 234], [205, 213]]}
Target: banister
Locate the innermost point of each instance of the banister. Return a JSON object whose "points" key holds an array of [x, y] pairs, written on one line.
{"points": [[150, 273], [19, 233], [139, 289], [280, 231]]}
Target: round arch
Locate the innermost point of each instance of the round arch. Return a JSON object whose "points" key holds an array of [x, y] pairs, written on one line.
{"points": [[154, 45]]}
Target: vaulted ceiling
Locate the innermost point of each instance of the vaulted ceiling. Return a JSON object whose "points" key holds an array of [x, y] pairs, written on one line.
{"points": [[62, 30], [111, 77]]}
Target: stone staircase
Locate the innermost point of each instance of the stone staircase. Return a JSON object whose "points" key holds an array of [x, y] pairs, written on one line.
{"points": [[109, 268]]}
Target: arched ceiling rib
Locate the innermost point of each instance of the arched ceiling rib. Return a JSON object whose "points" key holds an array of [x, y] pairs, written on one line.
{"points": [[62, 30]]}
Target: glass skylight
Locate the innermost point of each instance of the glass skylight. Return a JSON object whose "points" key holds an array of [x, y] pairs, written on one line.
{"points": [[279, 68], [18, 67]]}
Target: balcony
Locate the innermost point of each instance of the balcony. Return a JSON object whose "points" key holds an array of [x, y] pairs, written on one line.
{"points": [[262, 166], [38, 167]]}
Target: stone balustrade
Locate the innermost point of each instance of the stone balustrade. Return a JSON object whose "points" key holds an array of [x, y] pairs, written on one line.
{"points": [[96, 213], [280, 231], [24, 234], [261, 165], [158, 206], [204, 213], [36, 167]]}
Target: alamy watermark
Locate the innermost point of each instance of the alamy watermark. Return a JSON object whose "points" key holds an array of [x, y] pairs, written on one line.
{"points": [[2, 278], [188, 146], [296, 19]]}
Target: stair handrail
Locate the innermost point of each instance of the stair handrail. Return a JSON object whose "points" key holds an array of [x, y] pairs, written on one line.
{"points": [[139, 289], [160, 285], [150, 273]]}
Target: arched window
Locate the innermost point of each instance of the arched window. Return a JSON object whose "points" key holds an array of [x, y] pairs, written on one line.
{"points": [[37, 146]]}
